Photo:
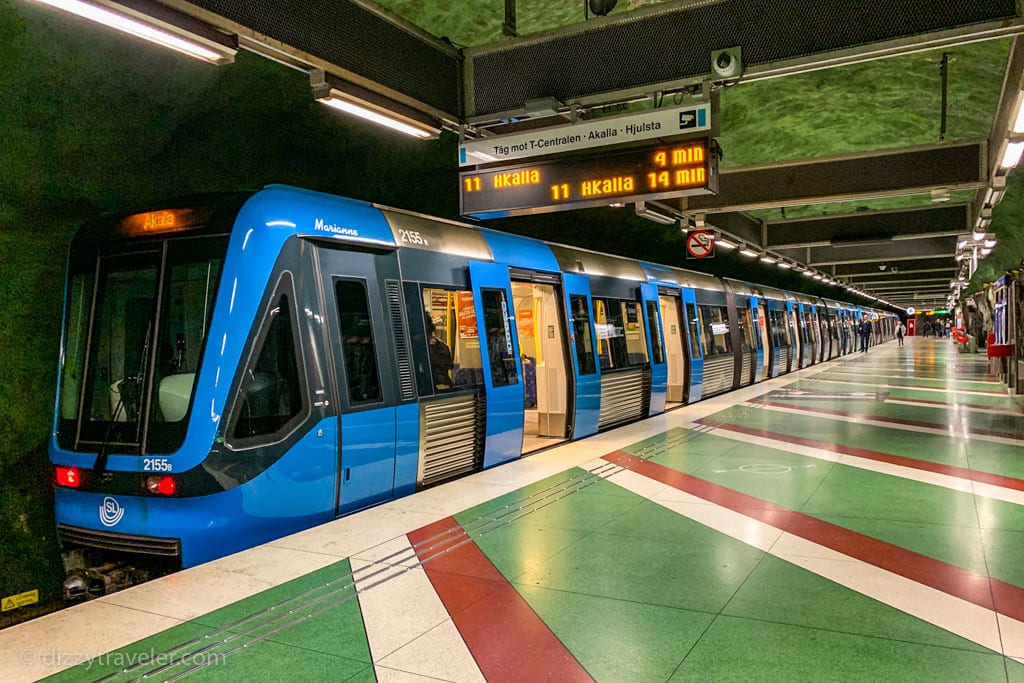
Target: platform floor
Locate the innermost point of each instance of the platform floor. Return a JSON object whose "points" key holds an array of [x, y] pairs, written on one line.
{"points": [[861, 520]]}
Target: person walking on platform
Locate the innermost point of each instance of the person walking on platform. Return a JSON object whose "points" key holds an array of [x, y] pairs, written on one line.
{"points": [[900, 331], [865, 334]]}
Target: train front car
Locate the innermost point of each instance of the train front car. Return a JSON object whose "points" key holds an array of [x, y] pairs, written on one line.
{"points": [[190, 420]]}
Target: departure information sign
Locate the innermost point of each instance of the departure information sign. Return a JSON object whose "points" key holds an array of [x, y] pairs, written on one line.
{"points": [[661, 171]]}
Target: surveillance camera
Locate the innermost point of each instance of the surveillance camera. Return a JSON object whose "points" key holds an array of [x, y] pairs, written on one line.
{"points": [[726, 64]]}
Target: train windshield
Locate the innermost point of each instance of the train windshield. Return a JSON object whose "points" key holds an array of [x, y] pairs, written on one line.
{"points": [[136, 325]]}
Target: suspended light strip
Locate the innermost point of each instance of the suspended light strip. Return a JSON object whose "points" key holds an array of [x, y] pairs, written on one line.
{"points": [[748, 252], [206, 51], [371, 106], [1011, 157], [380, 119], [725, 244], [783, 265]]}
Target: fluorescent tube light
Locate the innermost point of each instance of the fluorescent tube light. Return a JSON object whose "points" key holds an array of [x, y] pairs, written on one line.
{"points": [[725, 244], [749, 252], [1011, 157], [371, 106], [783, 264], [214, 47]]}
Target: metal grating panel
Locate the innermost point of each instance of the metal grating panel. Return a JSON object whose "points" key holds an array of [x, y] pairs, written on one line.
{"points": [[403, 356], [451, 438], [145, 545], [747, 372], [625, 396], [782, 363], [718, 375], [344, 33], [676, 43]]}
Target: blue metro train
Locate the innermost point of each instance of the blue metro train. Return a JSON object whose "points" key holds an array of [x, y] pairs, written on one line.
{"points": [[241, 367]]}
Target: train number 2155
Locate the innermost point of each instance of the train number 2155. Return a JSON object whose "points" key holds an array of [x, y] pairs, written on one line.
{"points": [[156, 464]]}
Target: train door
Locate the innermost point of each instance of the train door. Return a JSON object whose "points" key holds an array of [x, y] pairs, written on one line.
{"points": [[796, 334], [678, 385], [768, 350], [361, 340], [587, 373], [540, 328], [655, 348], [502, 372], [695, 345]]}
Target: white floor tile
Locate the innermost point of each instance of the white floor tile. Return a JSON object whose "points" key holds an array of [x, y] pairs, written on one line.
{"points": [[72, 636]]}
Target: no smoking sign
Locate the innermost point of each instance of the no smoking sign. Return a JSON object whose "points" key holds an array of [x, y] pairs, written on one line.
{"points": [[700, 244]]}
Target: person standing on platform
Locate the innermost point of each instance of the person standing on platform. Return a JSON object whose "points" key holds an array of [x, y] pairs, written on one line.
{"points": [[865, 334], [900, 331]]}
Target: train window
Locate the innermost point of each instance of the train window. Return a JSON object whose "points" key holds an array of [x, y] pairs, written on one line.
{"points": [[454, 353], [74, 358], [621, 341], [746, 330], [779, 329], [581, 334], [192, 276], [271, 396], [120, 348], [504, 367], [694, 335], [652, 322], [714, 320], [357, 342]]}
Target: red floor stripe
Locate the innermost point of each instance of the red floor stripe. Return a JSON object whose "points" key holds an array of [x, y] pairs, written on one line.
{"points": [[882, 418], [966, 585], [923, 465], [506, 637]]}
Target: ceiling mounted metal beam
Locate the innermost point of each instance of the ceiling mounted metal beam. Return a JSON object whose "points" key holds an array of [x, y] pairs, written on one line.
{"points": [[348, 38], [936, 221], [874, 253], [887, 173], [670, 44]]}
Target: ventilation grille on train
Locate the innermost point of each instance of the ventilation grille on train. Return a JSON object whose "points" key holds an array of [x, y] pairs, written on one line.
{"points": [[145, 545], [782, 362], [747, 373], [718, 375], [451, 437], [402, 354], [625, 396]]}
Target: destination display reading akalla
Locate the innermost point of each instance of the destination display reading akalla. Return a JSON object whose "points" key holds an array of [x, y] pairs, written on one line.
{"points": [[652, 172]]}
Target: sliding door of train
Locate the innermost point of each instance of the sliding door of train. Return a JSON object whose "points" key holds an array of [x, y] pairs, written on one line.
{"points": [[361, 294], [803, 316], [768, 350], [721, 362], [746, 342], [655, 348], [695, 345], [622, 350], [502, 371], [540, 328], [587, 374], [676, 352], [778, 334]]}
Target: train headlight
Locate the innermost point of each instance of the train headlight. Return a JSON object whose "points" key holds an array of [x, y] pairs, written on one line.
{"points": [[69, 476], [163, 485]]}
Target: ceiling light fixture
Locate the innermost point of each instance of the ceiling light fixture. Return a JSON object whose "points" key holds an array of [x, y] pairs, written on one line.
{"points": [[371, 106], [645, 210], [157, 24], [1011, 157]]}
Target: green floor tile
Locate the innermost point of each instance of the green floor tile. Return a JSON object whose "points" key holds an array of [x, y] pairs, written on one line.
{"points": [[617, 640], [780, 592], [736, 649], [677, 574]]}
